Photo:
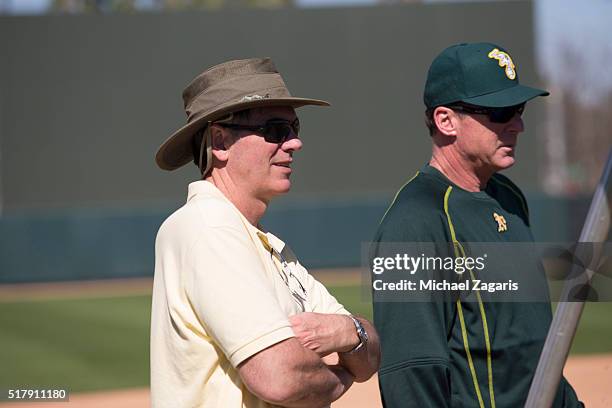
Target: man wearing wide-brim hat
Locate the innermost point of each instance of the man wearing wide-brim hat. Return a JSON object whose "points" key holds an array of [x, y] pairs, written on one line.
{"points": [[465, 346], [236, 320]]}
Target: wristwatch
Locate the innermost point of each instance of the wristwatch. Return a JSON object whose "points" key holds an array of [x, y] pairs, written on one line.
{"points": [[363, 335]]}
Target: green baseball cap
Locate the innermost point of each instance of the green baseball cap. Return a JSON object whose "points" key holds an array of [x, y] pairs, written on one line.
{"points": [[481, 74]]}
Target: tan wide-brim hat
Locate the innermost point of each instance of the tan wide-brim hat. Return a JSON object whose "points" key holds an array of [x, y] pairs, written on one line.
{"points": [[229, 87]]}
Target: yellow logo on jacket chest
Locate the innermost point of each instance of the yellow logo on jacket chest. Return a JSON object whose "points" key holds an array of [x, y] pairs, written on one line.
{"points": [[501, 222]]}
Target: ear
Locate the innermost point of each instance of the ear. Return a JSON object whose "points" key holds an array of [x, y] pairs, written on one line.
{"points": [[219, 142], [446, 120]]}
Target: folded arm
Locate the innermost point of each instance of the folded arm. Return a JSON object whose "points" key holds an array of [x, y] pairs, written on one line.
{"points": [[328, 333], [289, 375]]}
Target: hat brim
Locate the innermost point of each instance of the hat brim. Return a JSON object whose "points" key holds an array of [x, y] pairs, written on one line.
{"points": [[176, 151], [506, 97]]}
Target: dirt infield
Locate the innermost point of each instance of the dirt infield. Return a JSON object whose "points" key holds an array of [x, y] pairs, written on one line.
{"points": [[590, 375]]}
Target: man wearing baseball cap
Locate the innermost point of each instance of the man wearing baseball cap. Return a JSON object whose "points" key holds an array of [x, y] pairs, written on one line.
{"points": [[450, 352], [236, 320]]}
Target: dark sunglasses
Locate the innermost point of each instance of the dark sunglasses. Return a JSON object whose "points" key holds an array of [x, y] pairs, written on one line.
{"points": [[496, 115], [273, 131]]}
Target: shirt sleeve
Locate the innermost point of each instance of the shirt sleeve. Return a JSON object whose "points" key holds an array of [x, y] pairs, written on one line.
{"points": [[226, 283]]}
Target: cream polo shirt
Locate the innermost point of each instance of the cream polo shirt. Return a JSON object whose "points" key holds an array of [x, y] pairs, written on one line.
{"points": [[220, 295]]}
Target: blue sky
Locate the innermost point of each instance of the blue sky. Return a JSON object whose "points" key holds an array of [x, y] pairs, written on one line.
{"points": [[24, 6], [583, 29]]}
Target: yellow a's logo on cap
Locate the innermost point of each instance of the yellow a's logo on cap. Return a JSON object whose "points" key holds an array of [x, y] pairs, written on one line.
{"points": [[504, 61]]}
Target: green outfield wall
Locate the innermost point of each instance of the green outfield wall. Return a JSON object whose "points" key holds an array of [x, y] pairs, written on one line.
{"points": [[85, 101], [114, 244]]}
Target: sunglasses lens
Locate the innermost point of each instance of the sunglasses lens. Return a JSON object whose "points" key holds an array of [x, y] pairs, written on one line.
{"points": [[280, 132], [277, 132], [296, 126], [499, 116], [504, 115]]}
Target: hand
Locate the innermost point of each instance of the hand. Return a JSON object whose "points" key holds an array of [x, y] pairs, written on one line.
{"points": [[325, 333], [331, 359]]}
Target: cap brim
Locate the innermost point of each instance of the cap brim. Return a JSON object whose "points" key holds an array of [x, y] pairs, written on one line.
{"points": [[506, 97], [176, 150]]}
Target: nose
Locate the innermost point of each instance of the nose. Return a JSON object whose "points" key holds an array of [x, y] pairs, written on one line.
{"points": [[293, 144]]}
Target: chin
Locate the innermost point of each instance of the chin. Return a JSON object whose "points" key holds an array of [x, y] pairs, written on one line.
{"points": [[505, 163], [282, 187]]}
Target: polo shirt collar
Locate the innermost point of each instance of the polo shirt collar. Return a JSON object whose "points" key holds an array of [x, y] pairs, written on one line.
{"points": [[276, 242], [207, 189], [204, 188]]}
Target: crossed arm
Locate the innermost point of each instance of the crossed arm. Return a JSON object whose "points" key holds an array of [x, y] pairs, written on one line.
{"points": [[336, 333], [292, 373]]}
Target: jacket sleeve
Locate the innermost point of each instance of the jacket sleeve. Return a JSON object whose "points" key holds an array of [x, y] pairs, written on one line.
{"points": [[415, 366], [566, 396]]}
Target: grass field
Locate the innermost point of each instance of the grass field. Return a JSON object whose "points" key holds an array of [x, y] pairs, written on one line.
{"points": [[103, 343]]}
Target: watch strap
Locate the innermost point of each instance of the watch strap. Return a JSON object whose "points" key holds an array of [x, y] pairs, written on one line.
{"points": [[361, 332]]}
